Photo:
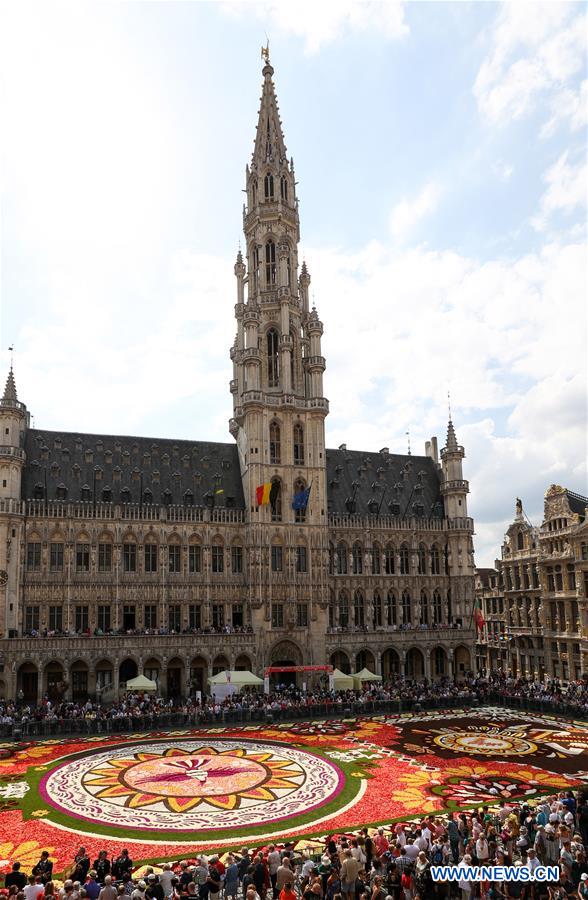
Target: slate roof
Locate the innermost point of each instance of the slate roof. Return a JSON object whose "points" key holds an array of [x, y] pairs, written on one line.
{"points": [[577, 503], [358, 482], [71, 466]]}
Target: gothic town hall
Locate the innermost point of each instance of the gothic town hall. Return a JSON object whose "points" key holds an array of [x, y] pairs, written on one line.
{"points": [[128, 555]]}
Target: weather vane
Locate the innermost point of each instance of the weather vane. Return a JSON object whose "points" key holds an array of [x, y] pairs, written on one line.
{"points": [[449, 403], [265, 51]]}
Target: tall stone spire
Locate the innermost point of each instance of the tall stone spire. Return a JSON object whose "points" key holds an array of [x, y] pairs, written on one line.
{"points": [[269, 139], [10, 389], [451, 443]]}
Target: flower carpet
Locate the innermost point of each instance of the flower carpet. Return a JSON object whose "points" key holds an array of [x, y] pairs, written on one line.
{"points": [[167, 795]]}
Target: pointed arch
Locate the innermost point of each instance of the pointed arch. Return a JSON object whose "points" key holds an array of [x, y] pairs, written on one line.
{"points": [[378, 620], [268, 186], [406, 610], [343, 604], [391, 610], [424, 609], [357, 558], [437, 608], [275, 442], [422, 560], [299, 487], [359, 610], [270, 264], [276, 499], [298, 436], [404, 560], [273, 357]]}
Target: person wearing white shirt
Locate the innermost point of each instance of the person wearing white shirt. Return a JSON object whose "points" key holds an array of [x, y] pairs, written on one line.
{"points": [[482, 849], [411, 850]]}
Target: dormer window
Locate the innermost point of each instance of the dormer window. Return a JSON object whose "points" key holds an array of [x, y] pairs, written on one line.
{"points": [[188, 498], [125, 495], [106, 495], [61, 492], [86, 492]]}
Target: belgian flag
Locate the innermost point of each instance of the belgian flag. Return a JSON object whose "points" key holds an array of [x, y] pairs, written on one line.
{"points": [[267, 493]]}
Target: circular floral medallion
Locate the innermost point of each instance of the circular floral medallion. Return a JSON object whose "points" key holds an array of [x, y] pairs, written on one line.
{"points": [[457, 791], [190, 785], [485, 743]]}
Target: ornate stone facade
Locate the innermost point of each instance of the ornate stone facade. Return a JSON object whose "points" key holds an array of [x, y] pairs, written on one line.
{"points": [[543, 580], [124, 555]]}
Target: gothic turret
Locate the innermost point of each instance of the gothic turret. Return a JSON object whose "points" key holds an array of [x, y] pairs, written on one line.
{"points": [[14, 420]]}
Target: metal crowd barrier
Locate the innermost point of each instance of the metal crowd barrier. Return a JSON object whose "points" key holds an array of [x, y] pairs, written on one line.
{"points": [[39, 729]]}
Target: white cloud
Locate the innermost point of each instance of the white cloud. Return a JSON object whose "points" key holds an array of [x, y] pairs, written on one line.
{"points": [[566, 190], [407, 214], [568, 105], [536, 52], [322, 23], [503, 170]]}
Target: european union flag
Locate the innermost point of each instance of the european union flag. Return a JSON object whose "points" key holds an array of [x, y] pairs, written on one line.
{"points": [[300, 500]]}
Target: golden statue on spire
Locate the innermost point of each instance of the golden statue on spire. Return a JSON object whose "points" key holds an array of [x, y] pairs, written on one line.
{"points": [[265, 53]]}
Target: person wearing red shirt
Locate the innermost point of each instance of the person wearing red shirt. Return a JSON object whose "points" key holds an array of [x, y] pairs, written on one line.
{"points": [[287, 892]]}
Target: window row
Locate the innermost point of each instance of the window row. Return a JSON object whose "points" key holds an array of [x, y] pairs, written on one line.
{"points": [[100, 619], [389, 611], [275, 443], [385, 560], [176, 554], [278, 616]]}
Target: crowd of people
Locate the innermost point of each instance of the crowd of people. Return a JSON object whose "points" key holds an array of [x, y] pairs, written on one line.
{"points": [[284, 700], [387, 863]]}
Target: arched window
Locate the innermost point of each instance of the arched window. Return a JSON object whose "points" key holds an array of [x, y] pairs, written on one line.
{"points": [[331, 608], [293, 357], [439, 660], [298, 445], [288, 271], [253, 192], [376, 560], [268, 186], [437, 609], [276, 500], [391, 610], [377, 617], [256, 265], [422, 559], [358, 610], [299, 487], [520, 541], [343, 610], [341, 559], [331, 559], [389, 560], [273, 358], [270, 264], [424, 608], [284, 188], [404, 560], [406, 612], [357, 558], [435, 560], [275, 443]]}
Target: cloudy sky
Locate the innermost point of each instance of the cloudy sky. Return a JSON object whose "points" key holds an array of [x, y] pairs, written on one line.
{"points": [[440, 151]]}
